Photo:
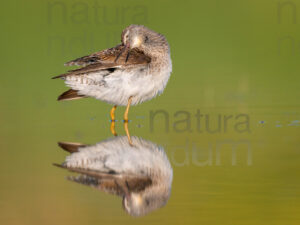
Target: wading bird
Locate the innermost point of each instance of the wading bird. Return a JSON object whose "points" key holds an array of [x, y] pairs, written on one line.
{"points": [[134, 71]]}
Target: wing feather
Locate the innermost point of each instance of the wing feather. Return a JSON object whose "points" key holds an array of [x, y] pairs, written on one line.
{"points": [[96, 57], [109, 182], [106, 60], [110, 55]]}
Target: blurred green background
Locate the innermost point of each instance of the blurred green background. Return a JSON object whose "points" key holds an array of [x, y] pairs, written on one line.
{"points": [[229, 57]]}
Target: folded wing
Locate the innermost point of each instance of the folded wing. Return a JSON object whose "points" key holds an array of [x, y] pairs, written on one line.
{"points": [[109, 59], [109, 182]]}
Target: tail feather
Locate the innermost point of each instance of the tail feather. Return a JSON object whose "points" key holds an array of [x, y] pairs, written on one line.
{"points": [[70, 95], [70, 147]]}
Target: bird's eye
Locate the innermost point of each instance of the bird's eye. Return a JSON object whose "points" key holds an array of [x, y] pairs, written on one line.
{"points": [[126, 38], [146, 39], [147, 202]]}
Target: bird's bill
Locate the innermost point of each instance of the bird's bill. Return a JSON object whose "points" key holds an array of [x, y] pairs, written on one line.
{"points": [[126, 48], [124, 187]]}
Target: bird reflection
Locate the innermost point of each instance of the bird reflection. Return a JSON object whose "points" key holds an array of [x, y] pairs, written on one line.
{"points": [[139, 172]]}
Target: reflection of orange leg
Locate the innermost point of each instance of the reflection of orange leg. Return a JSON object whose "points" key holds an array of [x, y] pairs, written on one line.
{"points": [[112, 117], [127, 110], [127, 132], [112, 113], [112, 128]]}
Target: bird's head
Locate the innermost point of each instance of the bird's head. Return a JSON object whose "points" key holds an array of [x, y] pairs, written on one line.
{"points": [[149, 41], [140, 204]]}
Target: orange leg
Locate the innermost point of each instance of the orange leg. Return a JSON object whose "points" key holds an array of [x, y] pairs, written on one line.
{"points": [[112, 113], [126, 121], [112, 128], [127, 132], [113, 119], [127, 110]]}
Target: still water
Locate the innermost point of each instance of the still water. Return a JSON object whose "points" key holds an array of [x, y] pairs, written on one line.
{"points": [[244, 172]]}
